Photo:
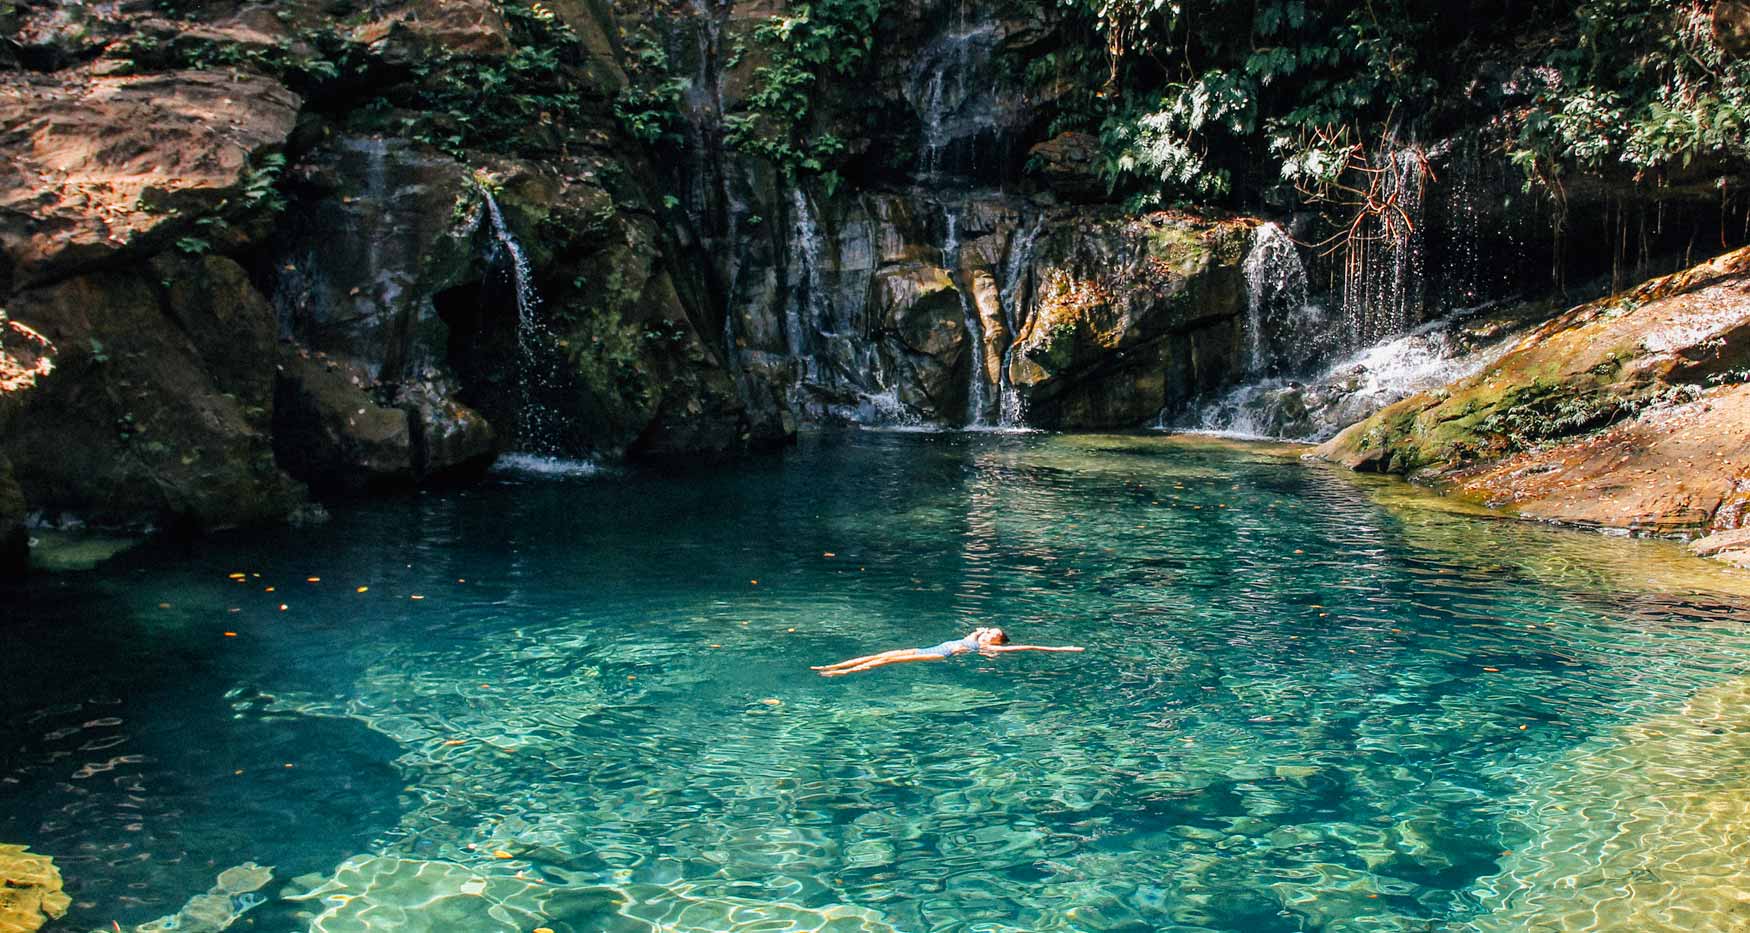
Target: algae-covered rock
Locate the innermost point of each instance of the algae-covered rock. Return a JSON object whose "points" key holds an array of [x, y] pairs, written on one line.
{"points": [[1628, 412], [1132, 317], [30, 890]]}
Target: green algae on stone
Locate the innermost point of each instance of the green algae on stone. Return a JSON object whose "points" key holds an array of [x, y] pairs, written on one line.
{"points": [[30, 890]]}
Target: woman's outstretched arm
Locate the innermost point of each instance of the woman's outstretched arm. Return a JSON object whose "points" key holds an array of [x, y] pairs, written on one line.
{"points": [[995, 649]]}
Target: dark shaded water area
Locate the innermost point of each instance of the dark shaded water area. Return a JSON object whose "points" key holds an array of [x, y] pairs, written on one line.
{"points": [[582, 702]]}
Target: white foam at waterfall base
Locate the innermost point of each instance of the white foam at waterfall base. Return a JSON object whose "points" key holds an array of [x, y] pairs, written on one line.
{"points": [[544, 467], [1356, 386]]}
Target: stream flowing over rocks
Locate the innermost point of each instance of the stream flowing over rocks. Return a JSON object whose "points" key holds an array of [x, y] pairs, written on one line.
{"points": [[251, 254]]}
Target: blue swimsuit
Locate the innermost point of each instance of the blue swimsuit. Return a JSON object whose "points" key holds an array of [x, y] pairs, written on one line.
{"points": [[948, 649]]}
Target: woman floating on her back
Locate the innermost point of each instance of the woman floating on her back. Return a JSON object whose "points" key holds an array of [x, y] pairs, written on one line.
{"points": [[989, 642]]}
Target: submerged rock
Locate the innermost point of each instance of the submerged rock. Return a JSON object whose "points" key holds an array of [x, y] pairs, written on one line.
{"points": [[230, 897], [1628, 413], [30, 890]]}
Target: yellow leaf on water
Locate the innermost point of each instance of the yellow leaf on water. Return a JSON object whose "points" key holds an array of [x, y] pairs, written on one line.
{"points": [[501, 854], [364, 589], [312, 579]]}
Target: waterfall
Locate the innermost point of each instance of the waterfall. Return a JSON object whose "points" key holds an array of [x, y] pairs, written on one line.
{"points": [[1382, 269], [537, 424], [1011, 407], [1277, 299], [803, 312], [1359, 384], [949, 88], [977, 393]]}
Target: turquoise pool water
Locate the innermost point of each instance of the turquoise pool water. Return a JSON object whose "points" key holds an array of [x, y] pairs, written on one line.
{"points": [[1302, 707]]}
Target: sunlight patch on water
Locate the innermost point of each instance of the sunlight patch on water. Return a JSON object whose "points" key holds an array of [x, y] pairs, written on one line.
{"points": [[1645, 829]]}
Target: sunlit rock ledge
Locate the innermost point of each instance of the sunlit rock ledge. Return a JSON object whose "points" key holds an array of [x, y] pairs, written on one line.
{"points": [[1627, 413]]}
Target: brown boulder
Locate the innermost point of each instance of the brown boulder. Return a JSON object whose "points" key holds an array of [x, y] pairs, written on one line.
{"points": [[156, 408], [330, 433], [92, 167], [422, 28], [921, 309], [450, 440]]}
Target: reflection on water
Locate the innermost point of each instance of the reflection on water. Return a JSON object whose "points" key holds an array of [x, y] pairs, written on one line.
{"points": [[1304, 707]]}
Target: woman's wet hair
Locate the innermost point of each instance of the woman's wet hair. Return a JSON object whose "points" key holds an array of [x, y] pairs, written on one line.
{"points": [[999, 636]]}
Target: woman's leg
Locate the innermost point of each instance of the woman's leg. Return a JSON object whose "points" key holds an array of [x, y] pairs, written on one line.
{"points": [[865, 659], [882, 660]]}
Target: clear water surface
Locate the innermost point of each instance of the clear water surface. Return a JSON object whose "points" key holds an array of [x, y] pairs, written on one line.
{"points": [[583, 703]]}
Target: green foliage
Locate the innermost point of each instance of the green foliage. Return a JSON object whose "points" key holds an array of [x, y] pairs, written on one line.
{"points": [[813, 42], [504, 104], [1645, 87], [649, 106], [1179, 98], [1546, 411]]}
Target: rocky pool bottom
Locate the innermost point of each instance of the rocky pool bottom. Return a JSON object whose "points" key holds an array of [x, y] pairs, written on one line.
{"points": [[1311, 701]]}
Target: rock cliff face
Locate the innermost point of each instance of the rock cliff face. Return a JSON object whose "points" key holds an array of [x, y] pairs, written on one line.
{"points": [[1631, 412], [250, 251]]}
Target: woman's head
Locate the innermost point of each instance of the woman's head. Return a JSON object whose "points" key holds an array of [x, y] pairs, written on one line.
{"points": [[992, 636]]}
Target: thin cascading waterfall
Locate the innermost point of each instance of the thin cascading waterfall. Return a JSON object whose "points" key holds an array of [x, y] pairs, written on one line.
{"points": [[946, 90], [1011, 406], [538, 425], [806, 309], [1382, 268], [1277, 297], [977, 393]]}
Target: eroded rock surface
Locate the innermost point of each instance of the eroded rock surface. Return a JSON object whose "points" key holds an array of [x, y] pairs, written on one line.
{"points": [[99, 165]]}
